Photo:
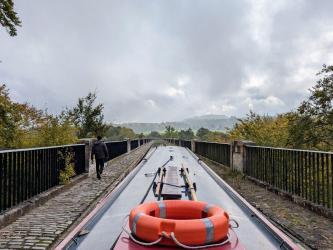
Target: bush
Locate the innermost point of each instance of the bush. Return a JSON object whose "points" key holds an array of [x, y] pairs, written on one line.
{"points": [[68, 169]]}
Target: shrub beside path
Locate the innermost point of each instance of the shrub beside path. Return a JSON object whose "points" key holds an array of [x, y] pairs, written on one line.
{"points": [[44, 225]]}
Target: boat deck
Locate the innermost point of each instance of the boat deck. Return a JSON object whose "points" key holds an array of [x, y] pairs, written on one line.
{"points": [[105, 223]]}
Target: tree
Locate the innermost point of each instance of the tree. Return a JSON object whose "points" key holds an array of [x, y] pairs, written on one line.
{"points": [[154, 134], [202, 133], [88, 117], [8, 17], [214, 136], [7, 121], [263, 129], [186, 134], [217, 136], [312, 125], [57, 130], [22, 125], [16, 119], [170, 132], [119, 133], [302, 133]]}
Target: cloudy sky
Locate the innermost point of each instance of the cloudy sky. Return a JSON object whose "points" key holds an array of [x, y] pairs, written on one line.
{"points": [[164, 60]]}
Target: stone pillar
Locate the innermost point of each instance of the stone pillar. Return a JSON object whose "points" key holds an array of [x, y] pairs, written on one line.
{"points": [[139, 142], [88, 149], [193, 145], [88, 142], [128, 145], [238, 155]]}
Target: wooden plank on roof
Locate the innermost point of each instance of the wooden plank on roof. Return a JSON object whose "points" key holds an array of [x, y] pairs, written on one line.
{"points": [[171, 185]]}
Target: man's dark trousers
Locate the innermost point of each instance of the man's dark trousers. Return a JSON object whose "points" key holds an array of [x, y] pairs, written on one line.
{"points": [[99, 167]]}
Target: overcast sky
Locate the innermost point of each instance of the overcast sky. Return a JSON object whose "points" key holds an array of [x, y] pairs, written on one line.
{"points": [[165, 60]]}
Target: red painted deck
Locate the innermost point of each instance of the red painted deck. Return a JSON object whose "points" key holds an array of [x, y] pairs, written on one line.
{"points": [[125, 243]]}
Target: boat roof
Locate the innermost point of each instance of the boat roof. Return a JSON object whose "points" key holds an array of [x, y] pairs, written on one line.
{"points": [[105, 222]]}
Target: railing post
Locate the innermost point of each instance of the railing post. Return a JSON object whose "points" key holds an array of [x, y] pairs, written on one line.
{"points": [[238, 159], [139, 142], [193, 145], [128, 145], [231, 163]]}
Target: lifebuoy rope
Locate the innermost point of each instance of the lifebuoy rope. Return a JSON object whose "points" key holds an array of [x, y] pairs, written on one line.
{"points": [[135, 240], [236, 223], [173, 237]]}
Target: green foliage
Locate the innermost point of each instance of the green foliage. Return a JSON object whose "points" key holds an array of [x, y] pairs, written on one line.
{"points": [[67, 171], [119, 133], [186, 134], [263, 130], [88, 117], [8, 17], [302, 133], [57, 131], [154, 134], [310, 127], [22, 125], [170, 132], [7, 118], [205, 134], [217, 136], [202, 134], [314, 117]]}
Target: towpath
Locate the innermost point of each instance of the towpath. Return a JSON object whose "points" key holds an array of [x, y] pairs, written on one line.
{"points": [[44, 225]]}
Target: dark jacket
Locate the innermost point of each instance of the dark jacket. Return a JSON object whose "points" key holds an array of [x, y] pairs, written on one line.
{"points": [[100, 151]]}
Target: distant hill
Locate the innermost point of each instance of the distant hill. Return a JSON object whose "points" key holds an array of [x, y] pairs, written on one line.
{"points": [[211, 122]]}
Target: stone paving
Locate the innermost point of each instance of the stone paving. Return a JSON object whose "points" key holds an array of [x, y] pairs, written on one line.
{"points": [[311, 229], [42, 226]]}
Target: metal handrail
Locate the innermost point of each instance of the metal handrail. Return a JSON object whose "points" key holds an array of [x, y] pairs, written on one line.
{"points": [[39, 148], [290, 149]]}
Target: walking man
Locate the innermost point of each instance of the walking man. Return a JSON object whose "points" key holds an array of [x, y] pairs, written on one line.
{"points": [[101, 155]]}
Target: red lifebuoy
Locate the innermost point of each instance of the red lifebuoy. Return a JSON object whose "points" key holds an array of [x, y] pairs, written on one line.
{"points": [[191, 222]]}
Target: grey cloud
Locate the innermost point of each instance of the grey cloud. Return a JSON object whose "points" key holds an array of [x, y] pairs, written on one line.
{"points": [[133, 53]]}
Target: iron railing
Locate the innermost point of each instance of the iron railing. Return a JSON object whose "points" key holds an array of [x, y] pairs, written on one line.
{"points": [[134, 144], [307, 174], [219, 152], [116, 148], [303, 173], [185, 143], [25, 173]]}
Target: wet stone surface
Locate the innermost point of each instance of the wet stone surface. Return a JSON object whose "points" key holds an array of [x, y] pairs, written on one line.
{"points": [[313, 230], [42, 226]]}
